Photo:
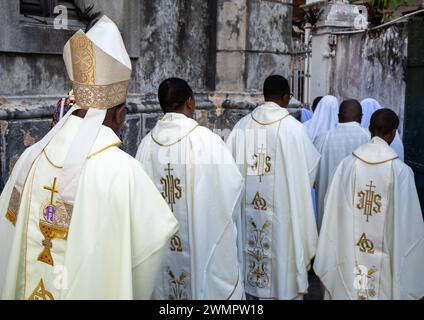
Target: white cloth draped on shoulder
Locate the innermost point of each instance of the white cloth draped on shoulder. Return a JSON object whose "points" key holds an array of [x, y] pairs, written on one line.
{"points": [[371, 243], [324, 118], [369, 106], [279, 235], [199, 180], [334, 146]]}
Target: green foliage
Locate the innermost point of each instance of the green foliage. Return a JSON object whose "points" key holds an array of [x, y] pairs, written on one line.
{"points": [[87, 14], [386, 8]]}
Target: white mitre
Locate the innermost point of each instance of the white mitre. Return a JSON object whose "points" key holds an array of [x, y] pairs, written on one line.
{"points": [[98, 66], [100, 70]]}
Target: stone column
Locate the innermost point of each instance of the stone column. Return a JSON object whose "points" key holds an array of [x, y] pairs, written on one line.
{"points": [[253, 42], [337, 16]]}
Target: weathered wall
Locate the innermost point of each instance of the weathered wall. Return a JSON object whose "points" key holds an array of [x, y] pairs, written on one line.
{"points": [[223, 48], [176, 39], [372, 65]]}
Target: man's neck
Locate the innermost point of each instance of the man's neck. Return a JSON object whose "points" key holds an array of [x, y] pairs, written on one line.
{"points": [[181, 112], [276, 102]]}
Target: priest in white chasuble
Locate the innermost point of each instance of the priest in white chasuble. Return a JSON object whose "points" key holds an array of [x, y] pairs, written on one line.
{"points": [[79, 218], [200, 181], [279, 162], [337, 144], [371, 243]]}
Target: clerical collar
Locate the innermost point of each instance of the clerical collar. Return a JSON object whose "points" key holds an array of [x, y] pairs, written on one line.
{"points": [[375, 152], [348, 124]]}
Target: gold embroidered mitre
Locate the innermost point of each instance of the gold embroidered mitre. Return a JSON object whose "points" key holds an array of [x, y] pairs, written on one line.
{"points": [[98, 66]]}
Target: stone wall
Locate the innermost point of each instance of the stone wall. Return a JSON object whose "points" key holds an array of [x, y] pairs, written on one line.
{"points": [[372, 65], [223, 48]]}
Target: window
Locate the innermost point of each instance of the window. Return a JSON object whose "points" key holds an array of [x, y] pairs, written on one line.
{"points": [[39, 9]]}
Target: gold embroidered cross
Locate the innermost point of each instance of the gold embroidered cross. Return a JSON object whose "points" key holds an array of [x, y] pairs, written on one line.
{"points": [[172, 187], [369, 201], [52, 189]]}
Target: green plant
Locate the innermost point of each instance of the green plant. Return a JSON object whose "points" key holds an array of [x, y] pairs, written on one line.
{"points": [[87, 14], [383, 10]]}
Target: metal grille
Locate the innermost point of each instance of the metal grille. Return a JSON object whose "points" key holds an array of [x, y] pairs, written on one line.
{"points": [[300, 71]]}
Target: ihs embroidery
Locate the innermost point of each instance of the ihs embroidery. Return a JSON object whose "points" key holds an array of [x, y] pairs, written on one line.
{"points": [[365, 244], [369, 201], [171, 186], [176, 244], [40, 293], [259, 203], [262, 164]]}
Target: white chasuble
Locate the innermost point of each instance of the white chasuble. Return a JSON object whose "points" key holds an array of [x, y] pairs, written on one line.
{"points": [[334, 146], [279, 162], [109, 245], [371, 244], [197, 177]]}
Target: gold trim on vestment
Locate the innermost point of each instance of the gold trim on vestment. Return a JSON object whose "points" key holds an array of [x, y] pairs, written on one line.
{"points": [[13, 208], [100, 96], [235, 286], [268, 123], [378, 162], [11, 216], [171, 144], [116, 144], [49, 161]]}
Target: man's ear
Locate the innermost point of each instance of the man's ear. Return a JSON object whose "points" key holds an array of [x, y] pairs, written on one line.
{"points": [[286, 99], [190, 105], [120, 114], [393, 135]]}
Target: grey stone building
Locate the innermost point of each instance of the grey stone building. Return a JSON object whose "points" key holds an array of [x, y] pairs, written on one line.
{"points": [[224, 48]]}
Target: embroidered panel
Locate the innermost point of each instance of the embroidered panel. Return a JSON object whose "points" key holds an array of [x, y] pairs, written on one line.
{"points": [[372, 198]]}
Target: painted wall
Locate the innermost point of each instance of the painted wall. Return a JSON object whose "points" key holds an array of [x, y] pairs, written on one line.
{"points": [[372, 65]]}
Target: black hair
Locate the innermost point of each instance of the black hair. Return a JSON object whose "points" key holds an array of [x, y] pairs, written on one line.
{"points": [[315, 103], [384, 121], [276, 86], [173, 93], [90, 25]]}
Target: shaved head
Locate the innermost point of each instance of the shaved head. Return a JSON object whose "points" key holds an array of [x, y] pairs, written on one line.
{"points": [[350, 110], [384, 123]]}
